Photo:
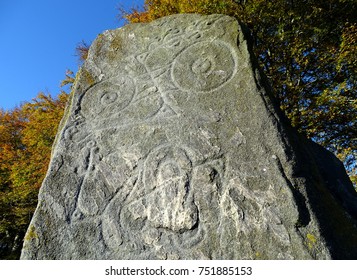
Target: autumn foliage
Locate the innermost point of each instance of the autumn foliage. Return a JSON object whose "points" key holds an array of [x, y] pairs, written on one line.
{"points": [[26, 137]]}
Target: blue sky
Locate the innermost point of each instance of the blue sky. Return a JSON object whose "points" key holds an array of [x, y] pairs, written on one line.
{"points": [[38, 40]]}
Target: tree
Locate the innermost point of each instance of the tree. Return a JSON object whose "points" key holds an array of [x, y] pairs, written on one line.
{"points": [[26, 137], [307, 49]]}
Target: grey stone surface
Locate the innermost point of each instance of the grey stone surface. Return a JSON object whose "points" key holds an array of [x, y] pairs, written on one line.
{"points": [[172, 147]]}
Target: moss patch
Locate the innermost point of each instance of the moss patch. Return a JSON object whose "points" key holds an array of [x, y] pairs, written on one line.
{"points": [[31, 234], [311, 240], [87, 78], [258, 256], [116, 45]]}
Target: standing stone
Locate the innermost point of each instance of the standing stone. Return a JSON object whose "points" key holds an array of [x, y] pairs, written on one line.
{"points": [[172, 147]]}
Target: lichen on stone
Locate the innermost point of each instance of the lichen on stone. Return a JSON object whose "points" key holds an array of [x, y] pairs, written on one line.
{"points": [[31, 234]]}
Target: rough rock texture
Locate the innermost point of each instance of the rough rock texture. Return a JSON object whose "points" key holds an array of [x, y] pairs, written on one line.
{"points": [[172, 147]]}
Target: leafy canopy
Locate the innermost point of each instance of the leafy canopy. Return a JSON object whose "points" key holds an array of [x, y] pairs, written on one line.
{"points": [[26, 137]]}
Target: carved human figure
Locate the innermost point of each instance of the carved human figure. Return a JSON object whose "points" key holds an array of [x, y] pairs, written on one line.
{"points": [[169, 195]]}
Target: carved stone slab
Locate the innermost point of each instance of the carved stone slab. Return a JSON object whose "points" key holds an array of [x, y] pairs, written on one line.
{"points": [[172, 148]]}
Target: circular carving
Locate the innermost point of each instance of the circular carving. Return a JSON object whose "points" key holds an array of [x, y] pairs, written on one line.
{"points": [[108, 97], [204, 66], [92, 144]]}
